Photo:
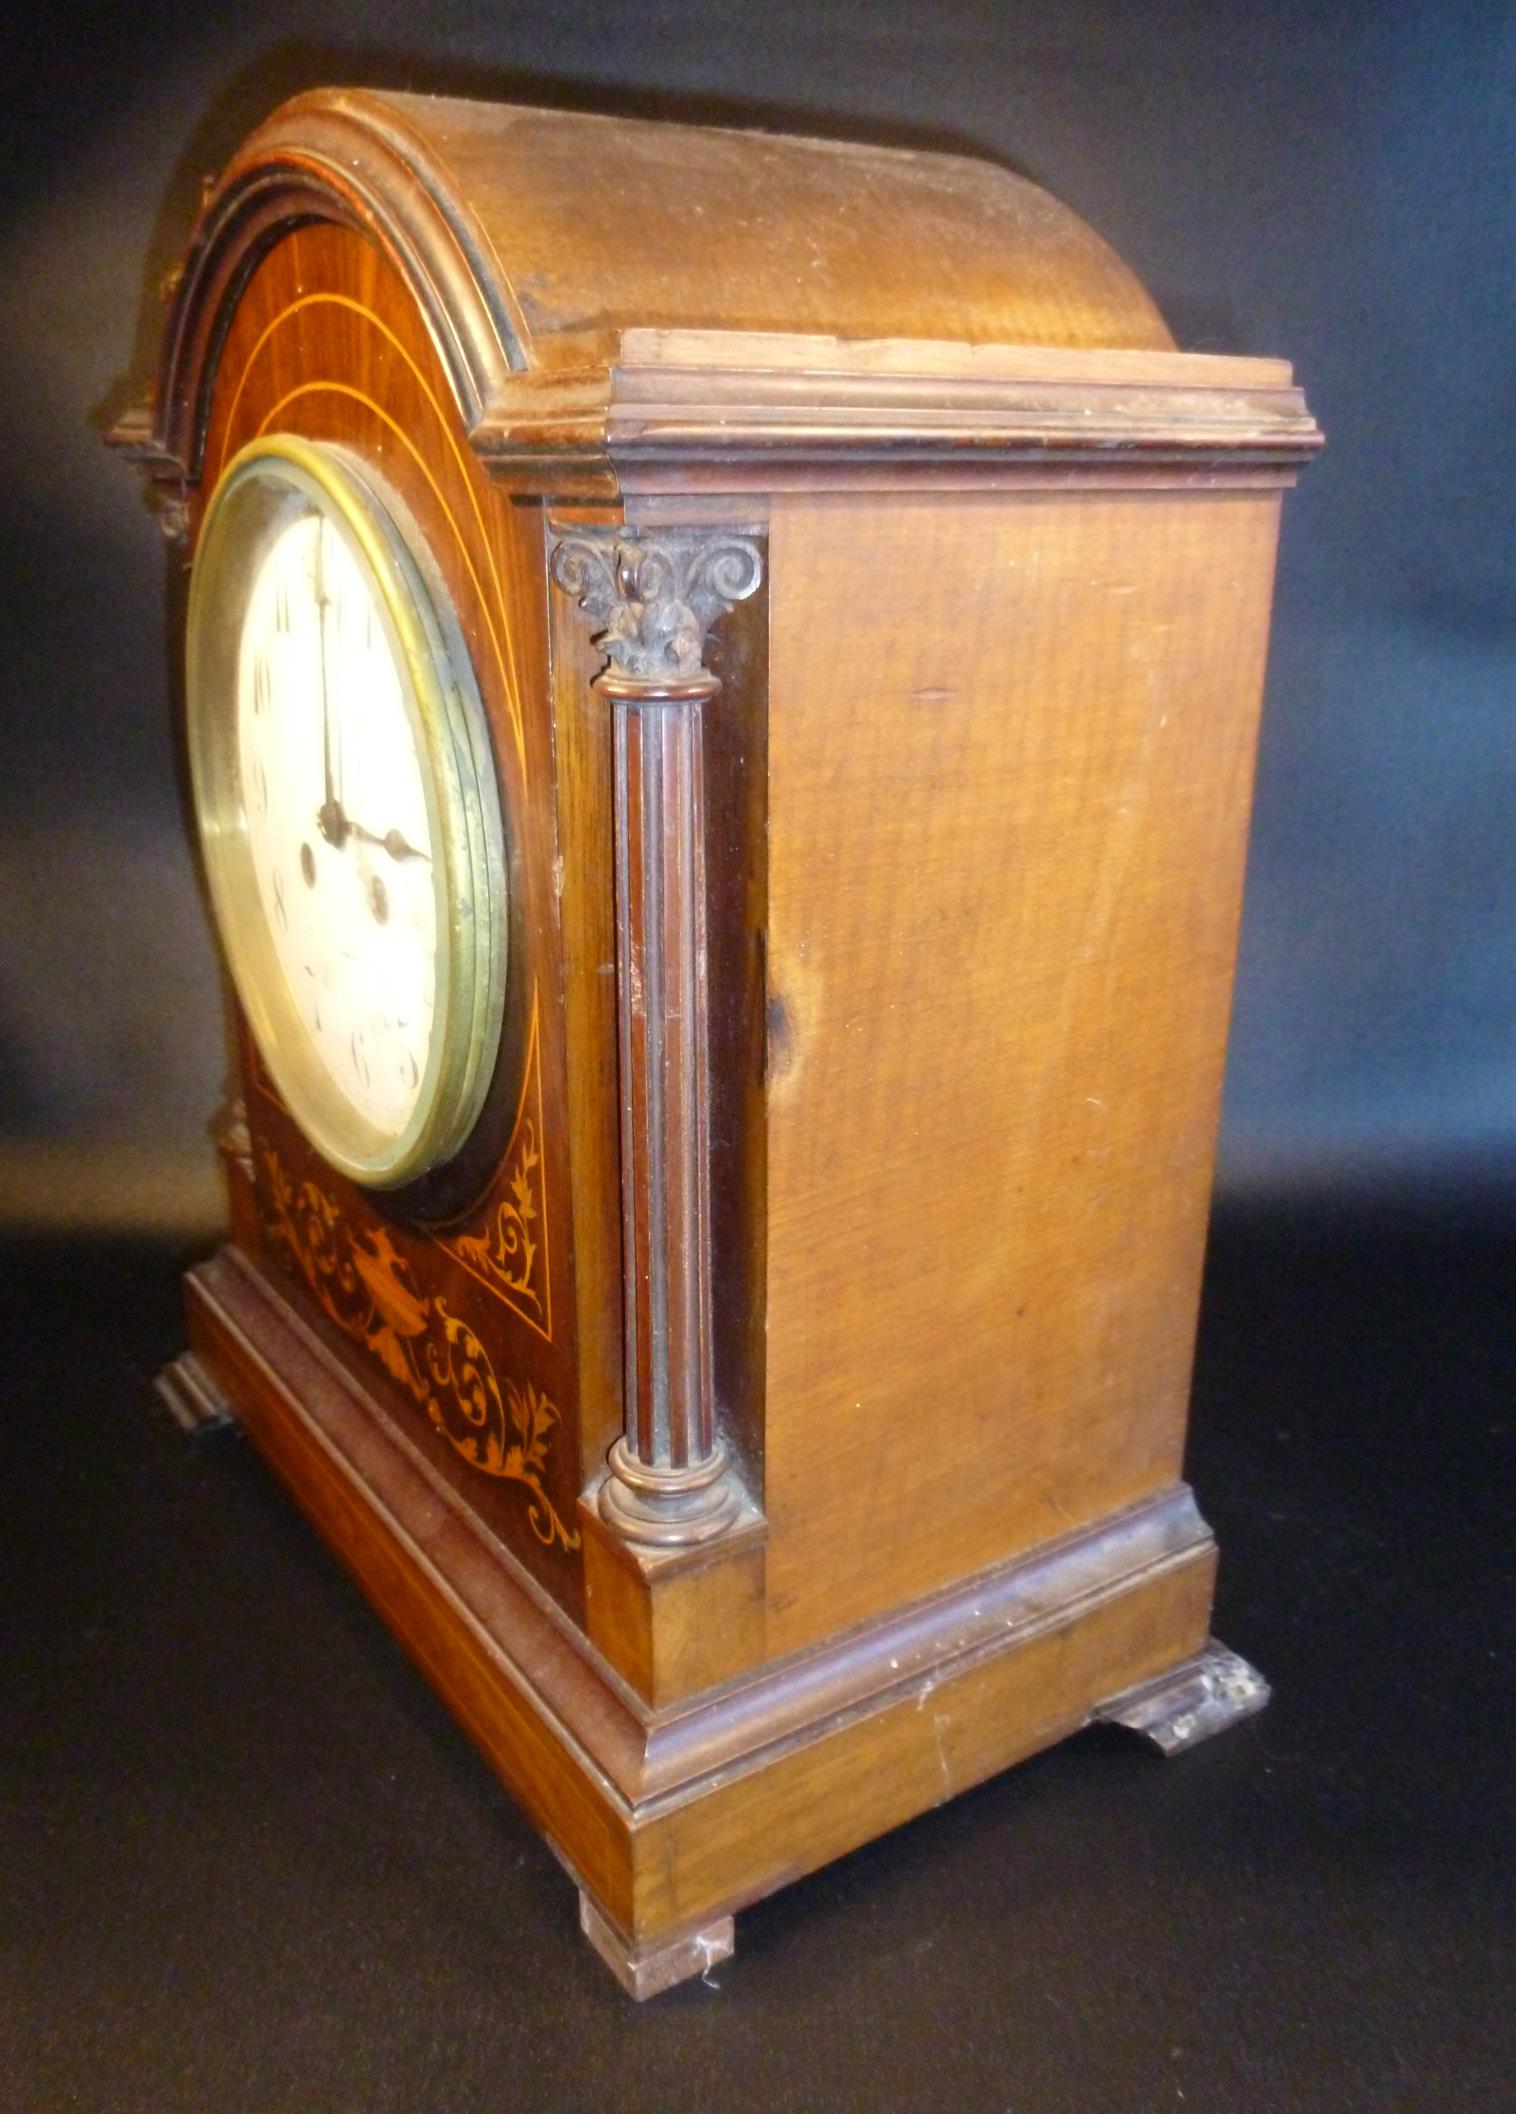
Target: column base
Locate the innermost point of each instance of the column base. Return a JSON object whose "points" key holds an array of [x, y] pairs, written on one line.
{"points": [[669, 1508], [1191, 1702]]}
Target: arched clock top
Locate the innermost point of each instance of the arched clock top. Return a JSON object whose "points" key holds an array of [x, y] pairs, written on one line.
{"points": [[351, 159], [618, 303]]}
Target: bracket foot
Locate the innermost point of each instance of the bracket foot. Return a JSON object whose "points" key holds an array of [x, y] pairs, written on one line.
{"points": [[644, 1970], [192, 1398], [1191, 1702]]}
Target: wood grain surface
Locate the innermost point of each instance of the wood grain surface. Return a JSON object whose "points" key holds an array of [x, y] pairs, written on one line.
{"points": [[1010, 755]]}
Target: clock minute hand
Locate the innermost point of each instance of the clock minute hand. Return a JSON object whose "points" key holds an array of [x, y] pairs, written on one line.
{"points": [[330, 820]]}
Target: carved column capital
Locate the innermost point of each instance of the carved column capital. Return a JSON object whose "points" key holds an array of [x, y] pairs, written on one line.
{"points": [[652, 600], [654, 597]]}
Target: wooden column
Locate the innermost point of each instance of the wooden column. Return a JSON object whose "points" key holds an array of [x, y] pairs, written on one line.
{"points": [[653, 599]]}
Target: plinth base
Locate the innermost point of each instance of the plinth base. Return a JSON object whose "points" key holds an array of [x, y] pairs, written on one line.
{"points": [[672, 1819]]}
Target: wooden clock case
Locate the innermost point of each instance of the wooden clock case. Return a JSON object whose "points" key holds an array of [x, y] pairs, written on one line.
{"points": [[773, 1423]]}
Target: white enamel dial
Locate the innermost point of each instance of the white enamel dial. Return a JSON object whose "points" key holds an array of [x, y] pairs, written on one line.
{"points": [[347, 807], [337, 823]]}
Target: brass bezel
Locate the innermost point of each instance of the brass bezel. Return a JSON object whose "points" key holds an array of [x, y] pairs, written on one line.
{"points": [[253, 498]]}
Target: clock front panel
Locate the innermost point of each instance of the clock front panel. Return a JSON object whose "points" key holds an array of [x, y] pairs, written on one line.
{"points": [[390, 904]]}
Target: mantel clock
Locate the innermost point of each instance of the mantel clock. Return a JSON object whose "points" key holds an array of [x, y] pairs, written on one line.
{"points": [[721, 679]]}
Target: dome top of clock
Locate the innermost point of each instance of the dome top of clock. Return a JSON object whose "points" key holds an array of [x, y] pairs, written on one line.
{"points": [[601, 289], [594, 224]]}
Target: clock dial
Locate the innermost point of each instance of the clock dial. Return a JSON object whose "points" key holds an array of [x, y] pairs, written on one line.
{"points": [[347, 808], [337, 824]]}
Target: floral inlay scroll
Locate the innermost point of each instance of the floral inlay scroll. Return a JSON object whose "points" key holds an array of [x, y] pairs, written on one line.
{"points": [[508, 1251], [499, 1426]]}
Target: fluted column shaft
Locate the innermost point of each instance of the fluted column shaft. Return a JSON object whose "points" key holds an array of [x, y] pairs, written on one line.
{"points": [[670, 1480]]}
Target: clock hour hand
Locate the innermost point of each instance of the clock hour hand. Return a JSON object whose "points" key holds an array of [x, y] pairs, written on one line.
{"points": [[393, 841], [330, 820]]}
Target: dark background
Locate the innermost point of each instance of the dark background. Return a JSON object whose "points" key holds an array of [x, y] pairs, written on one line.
{"points": [[246, 1861], [1333, 183]]}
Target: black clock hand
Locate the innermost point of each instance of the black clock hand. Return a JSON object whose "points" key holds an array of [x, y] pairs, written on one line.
{"points": [[393, 841], [330, 820]]}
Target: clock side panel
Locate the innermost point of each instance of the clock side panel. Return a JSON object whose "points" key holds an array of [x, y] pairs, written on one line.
{"points": [[1012, 842], [452, 1302]]}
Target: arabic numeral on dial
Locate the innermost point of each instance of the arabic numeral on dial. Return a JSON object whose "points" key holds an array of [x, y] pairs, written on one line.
{"points": [[281, 913], [358, 1046], [262, 686], [409, 1076]]}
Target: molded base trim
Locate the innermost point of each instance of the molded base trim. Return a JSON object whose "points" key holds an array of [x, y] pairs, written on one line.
{"points": [[672, 1819]]}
